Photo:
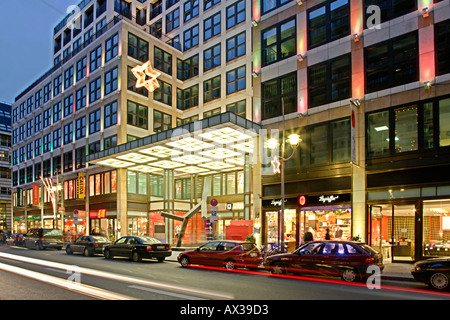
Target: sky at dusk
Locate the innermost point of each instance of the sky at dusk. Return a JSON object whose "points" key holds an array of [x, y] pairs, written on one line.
{"points": [[26, 42]]}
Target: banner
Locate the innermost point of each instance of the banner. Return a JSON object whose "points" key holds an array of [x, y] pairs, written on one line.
{"points": [[35, 194], [81, 187]]}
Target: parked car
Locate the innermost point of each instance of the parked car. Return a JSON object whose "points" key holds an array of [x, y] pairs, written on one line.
{"points": [[39, 238], [138, 248], [15, 239], [228, 254], [88, 245], [346, 259], [434, 272]]}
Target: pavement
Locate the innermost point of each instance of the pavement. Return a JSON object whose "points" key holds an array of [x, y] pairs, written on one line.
{"points": [[392, 271]]}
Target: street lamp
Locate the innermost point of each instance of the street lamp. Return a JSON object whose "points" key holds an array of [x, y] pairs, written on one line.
{"points": [[272, 144]]}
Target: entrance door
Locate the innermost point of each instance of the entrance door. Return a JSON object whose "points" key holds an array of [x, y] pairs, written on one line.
{"points": [[393, 231]]}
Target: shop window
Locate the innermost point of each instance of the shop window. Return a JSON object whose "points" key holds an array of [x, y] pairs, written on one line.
{"points": [[444, 122], [436, 228], [131, 182], [378, 133]]}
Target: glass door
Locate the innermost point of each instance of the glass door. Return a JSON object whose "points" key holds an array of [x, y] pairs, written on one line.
{"points": [[404, 232], [381, 230]]}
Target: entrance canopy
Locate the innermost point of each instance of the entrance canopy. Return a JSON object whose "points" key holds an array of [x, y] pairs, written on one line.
{"points": [[214, 144]]}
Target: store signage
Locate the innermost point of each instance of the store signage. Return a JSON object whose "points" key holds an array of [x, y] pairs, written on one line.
{"points": [[328, 199], [229, 206], [81, 184], [301, 200], [35, 194], [277, 203]]}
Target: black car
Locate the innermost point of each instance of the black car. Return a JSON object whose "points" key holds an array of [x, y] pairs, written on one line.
{"points": [[39, 239], [138, 248], [87, 245], [434, 272]]}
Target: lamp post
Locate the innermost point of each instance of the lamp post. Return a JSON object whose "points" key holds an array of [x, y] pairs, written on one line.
{"points": [[278, 167]]}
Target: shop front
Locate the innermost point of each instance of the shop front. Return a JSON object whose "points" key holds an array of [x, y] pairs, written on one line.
{"points": [[104, 222], [409, 224]]}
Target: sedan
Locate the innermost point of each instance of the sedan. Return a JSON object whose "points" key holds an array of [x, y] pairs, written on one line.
{"points": [[87, 245], [230, 254], [138, 248], [434, 272], [346, 259]]}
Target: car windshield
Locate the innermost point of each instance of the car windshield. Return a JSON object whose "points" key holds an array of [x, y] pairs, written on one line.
{"points": [[99, 239], [52, 233], [149, 240]]}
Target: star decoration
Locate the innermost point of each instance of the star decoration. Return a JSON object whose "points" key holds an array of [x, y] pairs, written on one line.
{"points": [[146, 77], [275, 165]]}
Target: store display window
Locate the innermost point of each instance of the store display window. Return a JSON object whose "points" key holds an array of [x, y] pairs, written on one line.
{"points": [[336, 221], [436, 228]]}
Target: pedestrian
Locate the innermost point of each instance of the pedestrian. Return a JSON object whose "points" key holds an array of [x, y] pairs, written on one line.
{"points": [[308, 236], [327, 235]]}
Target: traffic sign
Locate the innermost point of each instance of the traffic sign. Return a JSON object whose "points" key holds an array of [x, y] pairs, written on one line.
{"points": [[214, 202]]}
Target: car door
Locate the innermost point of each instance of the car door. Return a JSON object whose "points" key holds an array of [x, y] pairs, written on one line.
{"points": [[333, 258], [205, 254], [305, 259], [119, 247], [77, 246], [224, 251]]}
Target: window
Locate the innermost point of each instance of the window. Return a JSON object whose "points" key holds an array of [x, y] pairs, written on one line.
{"points": [[56, 165], [406, 135], [444, 122], [57, 84], [389, 9], [137, 115], [81, 68], [38, 123], [328, 22], [38, 98], [95, 89], [278, 42], [211, 58], [109, 142], [321, 90], [238, 108], [190, 9], [111, 81], [68, 161], [56, 112], [80, 98], [172, 20], [80, 128], [47, 142], [191, 38], [211, 113], [137, 48], [131, 181], [210, 3], [269, 5], [111, 47], [442, 39], [236, 46], [94, 121], [319, 145], [341, 143], [392, 63], [163, 93], [47, 117], [236, 80], [110, 114], [80, 158], [187, 98], [123, 7], [277, 93], [47, 92], [95, 59], [211, 27], [161, 121], [235, 14], [68, 105], [378, 133], [211, 89], [68, 133], [188, 68], [170, 3], [68, 77], [163, 61]]}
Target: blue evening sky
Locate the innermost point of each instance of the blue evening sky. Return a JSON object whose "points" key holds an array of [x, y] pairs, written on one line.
{"points": [[26, 42]]}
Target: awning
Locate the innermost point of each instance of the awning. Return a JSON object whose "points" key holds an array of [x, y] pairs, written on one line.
{"points": [[214, 144]]}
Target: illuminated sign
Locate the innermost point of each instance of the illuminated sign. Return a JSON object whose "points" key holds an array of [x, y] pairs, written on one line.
{"points": [[275, 165], [146, 77], [81, 188], [301, 200]]}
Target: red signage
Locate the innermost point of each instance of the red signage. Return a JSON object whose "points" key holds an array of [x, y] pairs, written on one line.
{"points": [[35, 194], [301, 200]]}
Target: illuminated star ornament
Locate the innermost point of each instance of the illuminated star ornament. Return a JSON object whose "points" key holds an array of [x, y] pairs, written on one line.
{"points": [[275, 165], [146, 77]]}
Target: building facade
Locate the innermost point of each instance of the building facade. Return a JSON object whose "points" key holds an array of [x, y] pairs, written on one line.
{"points": [[5, 166], [365, 84]]}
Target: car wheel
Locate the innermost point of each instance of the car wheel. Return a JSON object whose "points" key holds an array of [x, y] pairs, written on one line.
{"points": [[108, 254], [230, 265], [278, 268], [184, 261], [161, 259], [39, 246], [69, 250], [136, 257], [87, 252], [349, 275], [438, 281]]}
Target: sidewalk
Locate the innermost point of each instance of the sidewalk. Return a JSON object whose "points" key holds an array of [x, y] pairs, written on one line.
{"points": [[392, 271]]}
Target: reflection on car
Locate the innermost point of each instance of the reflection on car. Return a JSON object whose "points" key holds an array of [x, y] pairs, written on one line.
{"points": [[138, 248], [346, 259], [87, 245], [230, 254], [434, 272]]}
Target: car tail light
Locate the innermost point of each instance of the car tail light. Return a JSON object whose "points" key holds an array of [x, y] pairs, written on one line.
{"points": [[95, 245], [369, 261], [42, 238], [149, 248]]}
